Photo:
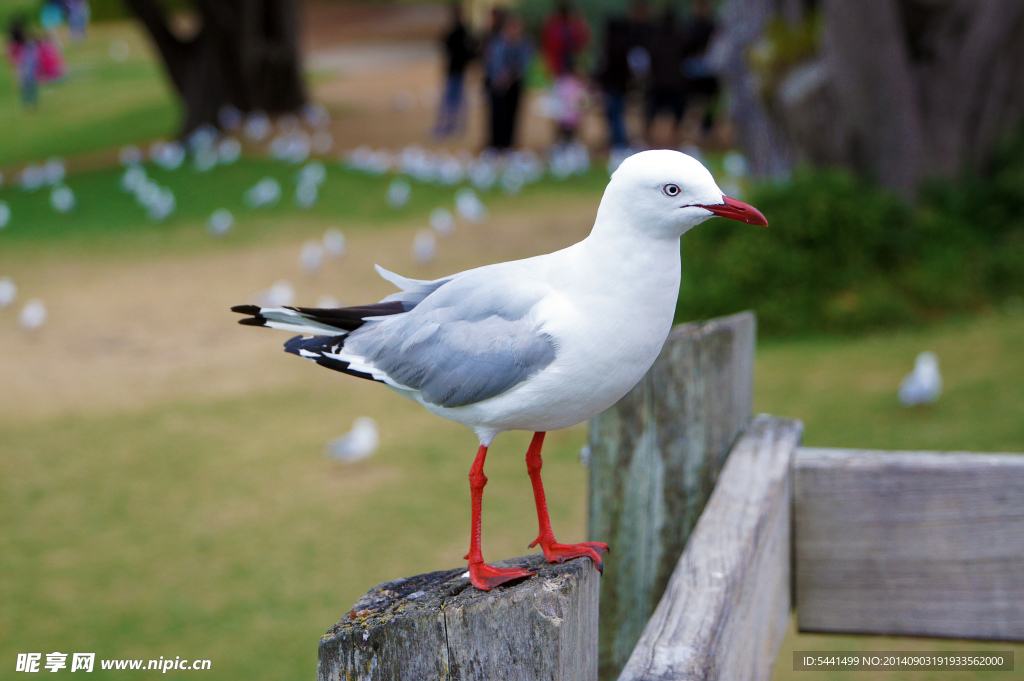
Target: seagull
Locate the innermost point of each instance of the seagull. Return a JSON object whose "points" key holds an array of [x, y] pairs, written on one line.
{"points": [[923, 385], [357, 444], [537, 344]]}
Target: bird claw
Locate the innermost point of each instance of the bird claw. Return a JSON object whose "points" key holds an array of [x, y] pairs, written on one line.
{"points": [[485, 577], [559, 553]]}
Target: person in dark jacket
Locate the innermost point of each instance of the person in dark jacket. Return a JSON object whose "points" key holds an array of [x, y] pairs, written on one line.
{"points": [[458, 50], [613, 76], [508, 56], [666, 87]]}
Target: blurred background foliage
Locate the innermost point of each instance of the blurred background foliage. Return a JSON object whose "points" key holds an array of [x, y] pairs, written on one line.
{"points": [[842, 255]]}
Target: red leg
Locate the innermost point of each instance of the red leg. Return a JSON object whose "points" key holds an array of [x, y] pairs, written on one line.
{"points": [[553, 551], [483, 576]]}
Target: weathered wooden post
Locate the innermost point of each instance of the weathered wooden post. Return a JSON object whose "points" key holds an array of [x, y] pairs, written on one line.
{"points": [[655, 457], [437, 627]]}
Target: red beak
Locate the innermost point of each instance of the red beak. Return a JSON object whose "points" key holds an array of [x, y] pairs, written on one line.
{"points": [[737, 210]]}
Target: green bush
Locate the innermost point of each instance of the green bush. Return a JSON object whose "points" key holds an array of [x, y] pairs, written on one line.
{"points": [[842, 256]]}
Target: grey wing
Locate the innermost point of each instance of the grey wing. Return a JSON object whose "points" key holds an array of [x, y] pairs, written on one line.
{"points": [[462, 345]]}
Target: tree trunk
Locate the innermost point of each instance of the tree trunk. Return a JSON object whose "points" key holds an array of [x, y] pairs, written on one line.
{"points": [[896, 90], [244, 54]]}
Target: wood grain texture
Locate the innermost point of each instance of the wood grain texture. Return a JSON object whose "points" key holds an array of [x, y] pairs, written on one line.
{"points": [[655, 457], [916, 543], [726, 608], [437, 627]]}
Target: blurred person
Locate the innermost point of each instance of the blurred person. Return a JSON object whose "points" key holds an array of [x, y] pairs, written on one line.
{"points": [[458, 49], [701, 82], [51, 66], [51, 15], [640, 32], [666, 87], [78, 13], [508, 56], [494, 28], [570, 95], [613, 77], [23, 54], [563, 37]]}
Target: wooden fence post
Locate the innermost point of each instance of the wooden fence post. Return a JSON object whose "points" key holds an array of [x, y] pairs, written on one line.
{"points": [[437, 627], [655, 457]]}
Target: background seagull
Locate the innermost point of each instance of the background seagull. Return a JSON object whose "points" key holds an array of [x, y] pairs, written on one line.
{"points": [[536, 344], [923, 385], [357, 444]]}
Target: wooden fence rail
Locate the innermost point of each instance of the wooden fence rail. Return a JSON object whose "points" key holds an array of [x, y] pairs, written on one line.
{"points": [[912, 543]]}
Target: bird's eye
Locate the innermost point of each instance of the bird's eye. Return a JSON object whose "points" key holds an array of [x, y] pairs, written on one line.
{"points": [[671, 190]]}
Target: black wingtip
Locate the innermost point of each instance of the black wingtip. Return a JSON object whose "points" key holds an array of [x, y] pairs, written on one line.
{"points": [[246, 309], [253, 321]]}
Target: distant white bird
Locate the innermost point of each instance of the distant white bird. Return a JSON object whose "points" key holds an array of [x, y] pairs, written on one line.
{"points": [[228, 151], [424, 247], [313, 172], [220, 222], [8, 291], [5, 214], [33, 315], [161, 205], [257, 126], [334, 243], [923, 385], [398, 192], [281, 294], [311, 259], [32, 177], [357, 444], [306, 194], [54, 171], [469, 205], [205, 159], [266, 192], [537, 344], [133, 177], [482, 174], [327, 300], [169, 155], [62, 199], [442, 221]]}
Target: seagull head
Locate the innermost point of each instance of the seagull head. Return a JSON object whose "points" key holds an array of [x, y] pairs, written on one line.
{"points": [[666, 193]]}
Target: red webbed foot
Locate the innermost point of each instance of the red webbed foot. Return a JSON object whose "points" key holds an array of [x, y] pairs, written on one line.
{"points": [[559, 553], [485, 577]]}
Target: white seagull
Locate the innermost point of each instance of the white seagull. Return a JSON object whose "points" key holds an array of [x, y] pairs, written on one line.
{"points": [[536, 344], [923, 385]]}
